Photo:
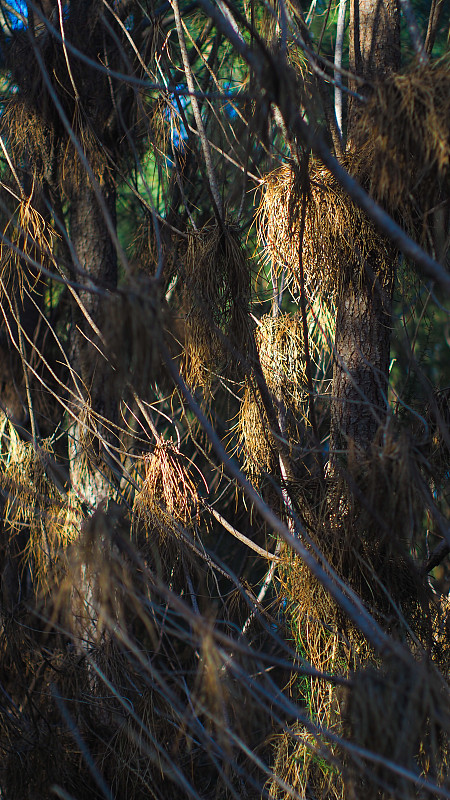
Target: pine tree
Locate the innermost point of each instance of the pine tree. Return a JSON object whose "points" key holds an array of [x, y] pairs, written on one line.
{"points": [[224, 399]]}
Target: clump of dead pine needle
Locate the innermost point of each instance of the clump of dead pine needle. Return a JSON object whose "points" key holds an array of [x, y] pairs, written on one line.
{"points": [[134, 320], [216, 303], [305, 763], [98, 584], [28, 135], [32, 122], [254, 433], [401, 140], [333, 646], [168, 485], [374, 496], [354, 532], [280, 345], [33, 240], [406, 690], [282, 354], [150, 250], [166, 513], [32, 136], [30, 538], [93, 473], [337, 236], [64, 520]]}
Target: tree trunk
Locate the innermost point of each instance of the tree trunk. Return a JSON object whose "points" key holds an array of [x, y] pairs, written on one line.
{"points": [[362, 342], [96, 254], [360, 377], [374, 38], [95, 408]]}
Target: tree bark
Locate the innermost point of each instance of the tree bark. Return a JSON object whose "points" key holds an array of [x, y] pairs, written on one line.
{"points": [[360, 377], [362, 341], [96, 255], [374, 38], [95, 409]]}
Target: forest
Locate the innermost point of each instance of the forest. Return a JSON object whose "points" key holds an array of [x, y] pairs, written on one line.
{"points": [[224, 399]]}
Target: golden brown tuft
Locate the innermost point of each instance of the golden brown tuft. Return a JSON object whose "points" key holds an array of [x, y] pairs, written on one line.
{"points": [[401, 142], [35, 238], [338, 237], [168, 486], [216, 301], [279, 341]]}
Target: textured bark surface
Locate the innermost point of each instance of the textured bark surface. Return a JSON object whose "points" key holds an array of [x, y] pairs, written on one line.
{"points": [[90, 476], [374, 38], [362, 342], [96, 255], [360, 379]]}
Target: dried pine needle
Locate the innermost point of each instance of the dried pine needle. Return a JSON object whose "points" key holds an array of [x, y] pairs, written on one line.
{"points": [[401, 139], [216, 303], [281, 350], [167, 485], [34, 237], [337, 239]]}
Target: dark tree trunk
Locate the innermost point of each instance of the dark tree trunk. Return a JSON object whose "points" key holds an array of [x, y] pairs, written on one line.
{"points": [[96, 404], [95, 408], [374, 38], [362, 343], [360, 377]]}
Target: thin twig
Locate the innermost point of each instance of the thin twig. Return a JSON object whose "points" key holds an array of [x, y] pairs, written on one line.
{"points": [[66, 56], [242, 538], [414, 32], [197, 113], [436, 557], [338, 63], [433, 23]]}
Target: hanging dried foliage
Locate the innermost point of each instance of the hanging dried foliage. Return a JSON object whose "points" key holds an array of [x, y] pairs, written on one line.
{"points": [[216, 303], [351, 533], [307, 764], [29, 136], [100, 114], [34, 238], [282, 354], [338, 237], [413, 692], [255, 437], [98, 585], [401, 141], [168, 488], [281, 351], [166, 512], [35, 137], [36, 529]]}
